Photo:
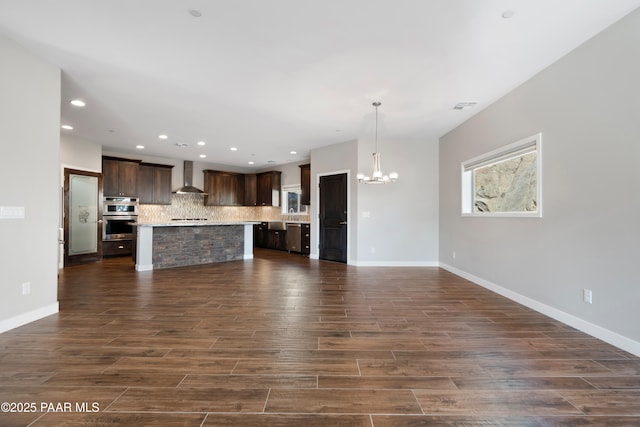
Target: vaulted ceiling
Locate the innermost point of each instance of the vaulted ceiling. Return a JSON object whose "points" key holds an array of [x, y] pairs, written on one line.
{"points": [[272, 77]]}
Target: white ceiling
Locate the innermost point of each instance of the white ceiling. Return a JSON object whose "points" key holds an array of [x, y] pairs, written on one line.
{"points": [[272, 76]]}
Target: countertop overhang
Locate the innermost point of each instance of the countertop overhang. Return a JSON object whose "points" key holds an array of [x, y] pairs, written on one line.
{"points": [[188, 223]]}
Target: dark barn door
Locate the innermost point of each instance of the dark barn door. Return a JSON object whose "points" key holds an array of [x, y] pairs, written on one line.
{"points": [[333, 217]]}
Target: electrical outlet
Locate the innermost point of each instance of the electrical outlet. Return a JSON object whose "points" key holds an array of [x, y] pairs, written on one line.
{"points": [[587, 296], [453, 255], [26, 288], [373, 250]]}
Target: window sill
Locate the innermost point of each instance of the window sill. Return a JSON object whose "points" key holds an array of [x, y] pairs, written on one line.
{"points": [[503, 214]]}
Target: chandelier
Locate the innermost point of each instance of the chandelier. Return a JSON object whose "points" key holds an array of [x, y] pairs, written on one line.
{"points": [[377, 177]]}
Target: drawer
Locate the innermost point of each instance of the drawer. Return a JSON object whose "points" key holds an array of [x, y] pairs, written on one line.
{"points": [[116, 248], [305, 239]]}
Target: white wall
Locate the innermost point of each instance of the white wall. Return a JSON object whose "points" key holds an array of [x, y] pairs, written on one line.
{"points": [[29, 177], [337, 158], [79, 153], [398, 222], [290, 172], [586, 106], [402, 226]]}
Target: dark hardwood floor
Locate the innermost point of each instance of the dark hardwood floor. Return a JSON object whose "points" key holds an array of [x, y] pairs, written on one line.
{"points": [[286, 341]]}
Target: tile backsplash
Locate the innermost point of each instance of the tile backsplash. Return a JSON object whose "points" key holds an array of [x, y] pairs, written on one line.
{"points": [[192, 206]]}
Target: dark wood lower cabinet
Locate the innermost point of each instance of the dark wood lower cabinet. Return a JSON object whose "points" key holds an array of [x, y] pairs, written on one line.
{"points": [[260, 235], [305, 239], [281, 240], [117, 248], [277, 239]]}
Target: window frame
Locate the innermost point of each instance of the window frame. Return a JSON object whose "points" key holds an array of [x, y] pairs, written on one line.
{"points": [[521, 147], [293, 188]]}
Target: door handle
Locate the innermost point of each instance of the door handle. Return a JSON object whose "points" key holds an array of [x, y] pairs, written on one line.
{"points": [[99, 221], [343, 222]]}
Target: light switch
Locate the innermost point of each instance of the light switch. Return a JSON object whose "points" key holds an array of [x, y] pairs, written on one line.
{"points": [[11, 212]]}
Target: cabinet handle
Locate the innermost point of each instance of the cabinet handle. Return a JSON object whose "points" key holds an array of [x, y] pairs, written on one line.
{"points": [[120, 247]]}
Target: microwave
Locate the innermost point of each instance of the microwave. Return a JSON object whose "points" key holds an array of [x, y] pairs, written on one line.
{"points": [[120, 206]]}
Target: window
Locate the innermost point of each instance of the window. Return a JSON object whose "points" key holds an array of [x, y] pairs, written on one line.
{"points": [[504, 182], [291, 200]]}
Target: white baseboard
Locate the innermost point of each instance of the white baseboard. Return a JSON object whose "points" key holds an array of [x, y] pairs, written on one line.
{"points": [[144, 267], [31, 316], [596, 331], [385, 263], [397, 263]]}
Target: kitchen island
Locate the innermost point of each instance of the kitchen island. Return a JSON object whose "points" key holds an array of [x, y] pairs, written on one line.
{"points": [[183, 243]]}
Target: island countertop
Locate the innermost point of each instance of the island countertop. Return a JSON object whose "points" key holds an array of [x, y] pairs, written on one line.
{"points": [[190, 223]]}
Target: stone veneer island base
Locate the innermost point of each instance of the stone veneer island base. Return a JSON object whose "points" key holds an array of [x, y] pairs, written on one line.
{"points": [[183, 243]]}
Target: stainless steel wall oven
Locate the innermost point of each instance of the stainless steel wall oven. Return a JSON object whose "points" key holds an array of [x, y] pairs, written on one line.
{"points": [[118, 214]]}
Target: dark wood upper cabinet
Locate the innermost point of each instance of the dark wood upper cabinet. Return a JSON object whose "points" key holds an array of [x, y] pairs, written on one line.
{"points": [[154, 184], [269, 188], [250, 189], [120, 177], [305, 184], [223, 188]]}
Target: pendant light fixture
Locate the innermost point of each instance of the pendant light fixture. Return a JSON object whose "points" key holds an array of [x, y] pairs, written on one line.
{"points": [[377, 177]]}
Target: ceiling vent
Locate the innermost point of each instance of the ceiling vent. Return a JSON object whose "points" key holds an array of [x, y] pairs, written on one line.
{"points": [[464, 105]]}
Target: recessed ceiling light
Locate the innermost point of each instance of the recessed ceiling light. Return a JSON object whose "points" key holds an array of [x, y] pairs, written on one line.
{"points": [[293, 152], [508, 14], [78, 103], [67, 127], [140, 147], [233, 148], [195, 13], [464, 105], [202, 156], [163, 136], [251, 163], [202, 143]]}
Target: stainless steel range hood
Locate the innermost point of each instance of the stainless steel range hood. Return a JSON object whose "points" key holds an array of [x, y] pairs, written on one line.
{"points": [[187, 187]]}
